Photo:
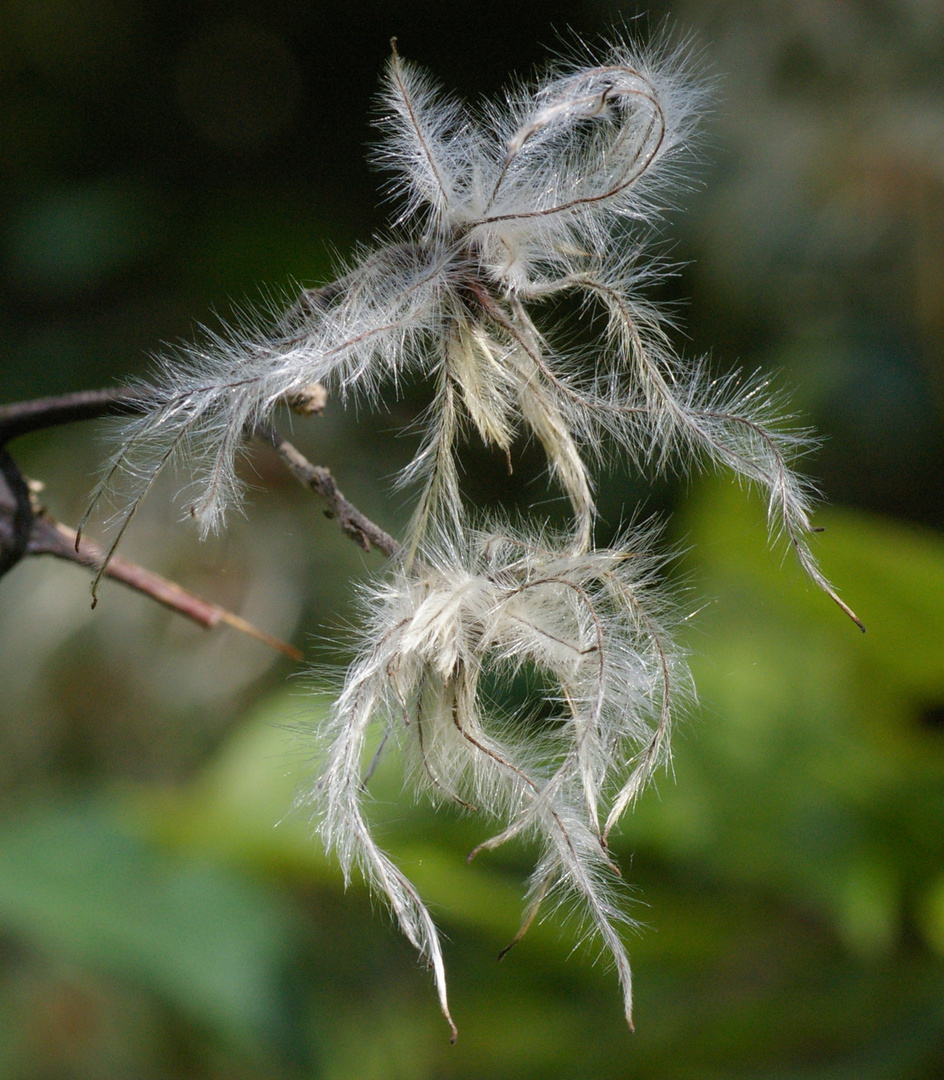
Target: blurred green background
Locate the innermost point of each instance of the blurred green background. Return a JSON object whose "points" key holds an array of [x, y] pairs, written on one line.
{"points": [[163, 913]]}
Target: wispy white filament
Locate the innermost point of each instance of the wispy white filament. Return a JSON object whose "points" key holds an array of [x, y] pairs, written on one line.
{"points": [[536, 198], [593, 626], [546, 194]]}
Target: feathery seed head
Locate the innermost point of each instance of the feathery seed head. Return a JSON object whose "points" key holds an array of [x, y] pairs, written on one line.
{"points": [[463, 613], [546, 194]]}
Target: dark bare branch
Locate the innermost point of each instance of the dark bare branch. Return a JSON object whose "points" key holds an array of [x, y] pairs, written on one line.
{"points": [[22, 417], [26, 529]]}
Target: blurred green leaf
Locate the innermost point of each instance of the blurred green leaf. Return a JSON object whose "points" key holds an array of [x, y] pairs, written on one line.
{"points": [[790, 876], [72, 880], [807, 770], [890, 572]]}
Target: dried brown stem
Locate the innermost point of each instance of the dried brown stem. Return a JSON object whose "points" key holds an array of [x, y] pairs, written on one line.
{"points": [[26, 529], [318, 479], [50, 537]]}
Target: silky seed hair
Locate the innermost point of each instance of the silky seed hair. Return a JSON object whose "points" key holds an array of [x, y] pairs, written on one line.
{"points": [[550, 192], [547, 192], [597, 628]]}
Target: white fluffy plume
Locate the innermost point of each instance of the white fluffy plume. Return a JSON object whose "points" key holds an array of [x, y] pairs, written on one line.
{"points": [[546, 195], [542, 195], [593, 627]]}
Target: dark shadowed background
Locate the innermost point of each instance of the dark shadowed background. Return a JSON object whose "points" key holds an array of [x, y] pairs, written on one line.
{"points": [[163, 914]]}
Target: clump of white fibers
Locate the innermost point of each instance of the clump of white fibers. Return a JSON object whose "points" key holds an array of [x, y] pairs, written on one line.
{"points": [[545, 195], [594, 626], [540, 201]]}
